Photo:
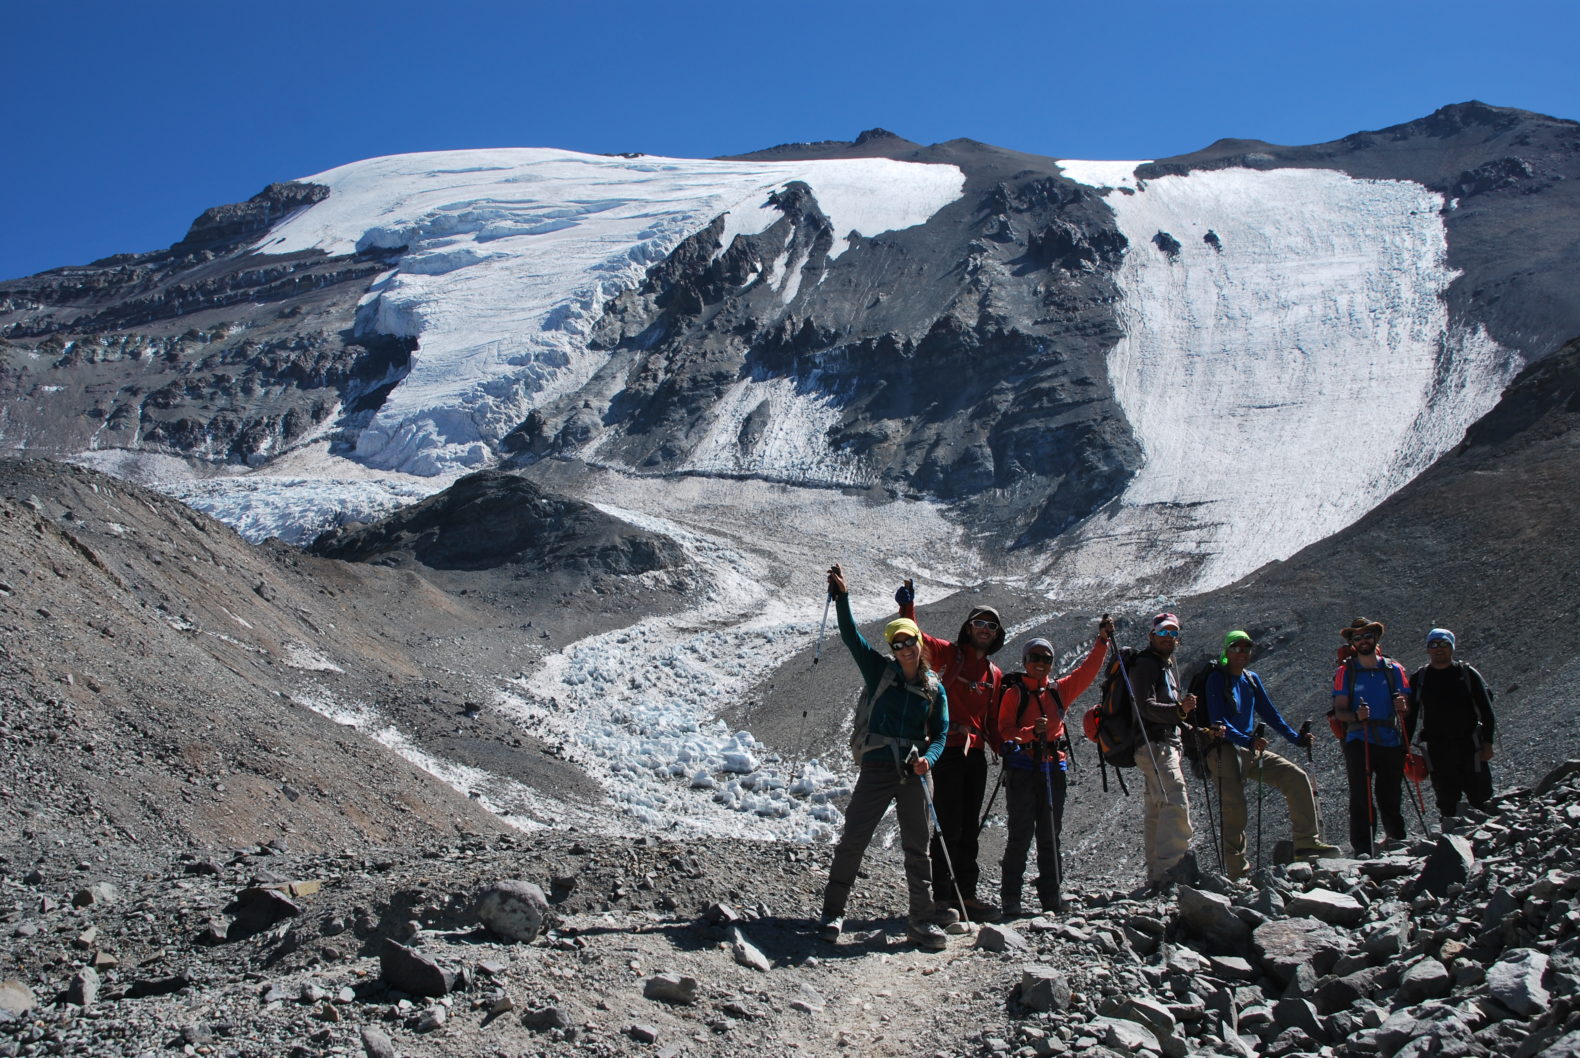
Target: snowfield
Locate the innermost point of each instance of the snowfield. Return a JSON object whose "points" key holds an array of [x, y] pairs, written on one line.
{"points": [[511, 255], [1286, 368]]}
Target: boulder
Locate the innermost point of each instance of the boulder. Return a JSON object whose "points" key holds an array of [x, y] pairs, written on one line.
{"points": [[670, 988], [1283, 945], [1451, 861], [1427, 979], [16, 999], [513, 909], [1042, 989], [1210, 919], [1516, 981], [1336, 909], [256, 909], [413, 972], [999, 938], [748, 954]]}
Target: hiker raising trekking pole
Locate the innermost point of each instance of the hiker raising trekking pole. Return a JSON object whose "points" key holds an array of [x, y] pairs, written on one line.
{"points": [[903, 709], [960, 780], [1232, 696], [1031, 722], [1369, 699], [1166, 830]]}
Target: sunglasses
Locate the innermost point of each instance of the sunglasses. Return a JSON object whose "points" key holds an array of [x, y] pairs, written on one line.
{"points": [[1434, 644], [1167, 633], [1240, 648], [1366, 636], [1039, 659], [903, 644], [980, 623]]}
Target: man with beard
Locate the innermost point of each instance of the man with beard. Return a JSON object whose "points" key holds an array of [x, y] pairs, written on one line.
{"points": [[1167, 828], [971, 682], [1369, 698]]}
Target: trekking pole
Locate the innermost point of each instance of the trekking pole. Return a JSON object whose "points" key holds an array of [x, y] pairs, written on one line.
{"points": [[1058, 866], [1141, 723], [1259, 735], [927, 794], [821, 628], [982, 823], [1316, 803], [1206, 794], [1366, 780]]}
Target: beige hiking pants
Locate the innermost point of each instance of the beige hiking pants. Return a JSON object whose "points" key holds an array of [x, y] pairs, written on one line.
{"points": [[1231, 767], [1167, 830]]}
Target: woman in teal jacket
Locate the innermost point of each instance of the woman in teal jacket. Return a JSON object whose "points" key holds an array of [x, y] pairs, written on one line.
{"points": [[904, 734]]}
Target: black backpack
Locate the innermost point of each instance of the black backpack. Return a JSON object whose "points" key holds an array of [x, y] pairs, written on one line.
{"points": [[1112, 721], [1193, 730]]}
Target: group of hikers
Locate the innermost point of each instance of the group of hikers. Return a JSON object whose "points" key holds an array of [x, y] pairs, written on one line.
{"points": [[933, 710]]}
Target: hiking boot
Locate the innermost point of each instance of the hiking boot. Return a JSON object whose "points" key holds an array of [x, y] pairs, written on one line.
{"points": [[829, 927], [1317, 847], [1183, 872], [1053, 905], [976, 911], [927, 935], [945, 916], [1010, 911]]}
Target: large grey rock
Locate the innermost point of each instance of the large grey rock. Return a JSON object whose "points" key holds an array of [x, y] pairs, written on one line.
{"points": [[1211, 920], [413, 972], [1149, 1012], [513, 909], [748, 954], [16, 999], [671, 988], [1516, 981], [1336, 909], [1340, 993], [1283, 945], [97, 893], [84, 987], [1000, 938], [1451, 861], [1427, 979], [1126, 1037], [1042, 988], [256, 909], [376, 1043], [1430, 1021]]}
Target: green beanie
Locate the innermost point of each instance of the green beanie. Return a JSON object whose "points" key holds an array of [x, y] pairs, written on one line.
{"points": [[1230, 640]]}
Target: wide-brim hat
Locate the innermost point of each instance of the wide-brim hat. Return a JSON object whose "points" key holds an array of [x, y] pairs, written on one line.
{"points": [[1362, 624]]}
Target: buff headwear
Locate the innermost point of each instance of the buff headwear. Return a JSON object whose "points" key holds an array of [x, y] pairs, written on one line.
{"points": [[900, 626], [1230, 640], [1443, 634]]}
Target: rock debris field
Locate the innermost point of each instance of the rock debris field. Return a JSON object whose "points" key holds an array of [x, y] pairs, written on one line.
{"points": [[1463, 943]]}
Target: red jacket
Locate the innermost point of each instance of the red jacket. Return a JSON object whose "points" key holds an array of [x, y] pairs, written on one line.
{"points": [[1013, 727], [971, 683]]}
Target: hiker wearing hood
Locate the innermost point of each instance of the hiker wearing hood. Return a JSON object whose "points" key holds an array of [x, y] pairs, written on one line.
{"points": [[960, 779], [1031, 722], [899, 737], [1369, 698], [1234, 697]]}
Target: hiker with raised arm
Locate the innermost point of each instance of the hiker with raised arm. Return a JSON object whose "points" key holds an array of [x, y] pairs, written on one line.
{"points": [[897, 738], [1369, 700], [1452, 704], [1155, 682], [1232, 697], [972, 683], [1031, 716]]}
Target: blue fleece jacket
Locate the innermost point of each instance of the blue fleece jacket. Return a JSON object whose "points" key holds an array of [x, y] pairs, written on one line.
{"points": [[1231, 703]]}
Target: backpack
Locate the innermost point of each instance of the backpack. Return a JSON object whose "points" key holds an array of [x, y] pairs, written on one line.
{"points": [[860, 742], [1338, 726], [1112, 722], [1197, 720]]}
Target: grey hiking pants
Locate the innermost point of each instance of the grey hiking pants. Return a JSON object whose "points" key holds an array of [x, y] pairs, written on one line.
{"points": [[877, 786]]}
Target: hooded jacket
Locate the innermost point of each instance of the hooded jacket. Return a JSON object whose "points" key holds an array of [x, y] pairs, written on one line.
{"points": [[971, 682]]}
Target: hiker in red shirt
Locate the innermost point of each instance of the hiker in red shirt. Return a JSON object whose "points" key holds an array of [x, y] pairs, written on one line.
{"points": [[1031, 723], [971, 682]]}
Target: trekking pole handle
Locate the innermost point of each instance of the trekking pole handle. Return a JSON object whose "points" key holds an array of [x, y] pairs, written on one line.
{"points": [[1305, 733], [1259, 735]]}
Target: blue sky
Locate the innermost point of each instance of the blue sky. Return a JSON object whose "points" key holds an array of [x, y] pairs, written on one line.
{"points": [[124, 121]]}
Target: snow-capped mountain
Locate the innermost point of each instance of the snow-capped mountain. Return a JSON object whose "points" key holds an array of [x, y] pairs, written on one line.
{"points": [[1091, 355]]}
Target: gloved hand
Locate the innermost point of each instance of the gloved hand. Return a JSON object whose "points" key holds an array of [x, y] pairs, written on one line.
{"points": [[906, 593]]}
